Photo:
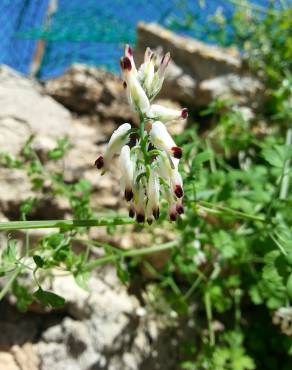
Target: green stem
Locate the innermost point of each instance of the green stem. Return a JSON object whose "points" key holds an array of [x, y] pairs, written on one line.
{"points": [[208, 308], [7, 286], [130, 253], [209, 207], [142, 137], [65, 224], [286, 175]]}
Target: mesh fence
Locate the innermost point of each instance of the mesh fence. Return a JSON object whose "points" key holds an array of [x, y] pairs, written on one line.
{"points": [[57, 33]]}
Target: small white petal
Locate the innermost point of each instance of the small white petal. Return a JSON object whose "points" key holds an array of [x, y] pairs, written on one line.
{"points": [[118, 139]]}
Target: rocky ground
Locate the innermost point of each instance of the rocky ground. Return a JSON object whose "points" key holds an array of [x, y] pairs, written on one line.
{"points": [[111, 327]]}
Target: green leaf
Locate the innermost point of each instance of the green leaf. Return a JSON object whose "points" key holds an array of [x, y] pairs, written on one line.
{"points": [[38, 261], [81, 278], [202, 157], [278, 155], [9, 253], [49, 298]]}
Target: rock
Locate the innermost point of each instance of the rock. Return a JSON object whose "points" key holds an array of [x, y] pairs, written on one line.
{"points": [[7, 361], [244, 88], [199, 72], [25, 357], [26, 111], [88, 90], [110, 332]]}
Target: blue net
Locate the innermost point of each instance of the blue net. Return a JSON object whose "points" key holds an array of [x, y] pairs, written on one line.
{"points": [[87, 31]]}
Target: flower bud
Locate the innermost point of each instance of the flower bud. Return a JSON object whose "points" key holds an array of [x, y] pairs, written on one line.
{"points": [[159, 76]]}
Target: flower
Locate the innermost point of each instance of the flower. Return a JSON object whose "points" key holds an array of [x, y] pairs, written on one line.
{"points": [[118, 139], [162, 140], [148, 175], [137, 97], [169, 172], [153, 188], [127, 170], [160, 113], [148, 76]]}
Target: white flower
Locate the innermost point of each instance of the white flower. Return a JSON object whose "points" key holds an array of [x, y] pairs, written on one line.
{"points": [[150, 79], [160, 113], [145, 173], [118, 139], [172, 211], [139, 202], [127, 170], [137, 97], [153, 188], [170, 174], [162, 140]]}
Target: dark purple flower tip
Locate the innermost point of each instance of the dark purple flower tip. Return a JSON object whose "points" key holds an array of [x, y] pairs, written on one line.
{"points": [[173, 216], [99, 163], [184, 113], [156, 213], [131, 213], [130, 51], [176, 152], [180, 209], [140, 218], [149, 221], [178, 191], [129, 194], [124, 84], [126, 63]]}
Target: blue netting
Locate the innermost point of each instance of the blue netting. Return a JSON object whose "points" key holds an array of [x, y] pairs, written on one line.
{"points": [[87, 31], [19, 16]]}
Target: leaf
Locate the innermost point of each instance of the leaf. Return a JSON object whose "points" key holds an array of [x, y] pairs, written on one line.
{"points": [[49, 298], [81, 278], [278, 155], [9, 253], [38, 261], [202, 157]]}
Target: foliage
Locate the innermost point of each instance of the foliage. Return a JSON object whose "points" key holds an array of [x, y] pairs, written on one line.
{"points": [[232, 256]]}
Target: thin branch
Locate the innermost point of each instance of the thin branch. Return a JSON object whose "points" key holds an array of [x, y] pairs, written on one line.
{"points": [[65, 224], [130, 253]]}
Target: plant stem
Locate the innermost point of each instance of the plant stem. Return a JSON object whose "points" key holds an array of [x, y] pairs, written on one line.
{"points": [[209, 207], [130, 253], [208, 308], [65, 224], [286, 176]]}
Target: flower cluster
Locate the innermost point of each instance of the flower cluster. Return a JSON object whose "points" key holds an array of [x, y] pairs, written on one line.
{"points": [[150, 168]]}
